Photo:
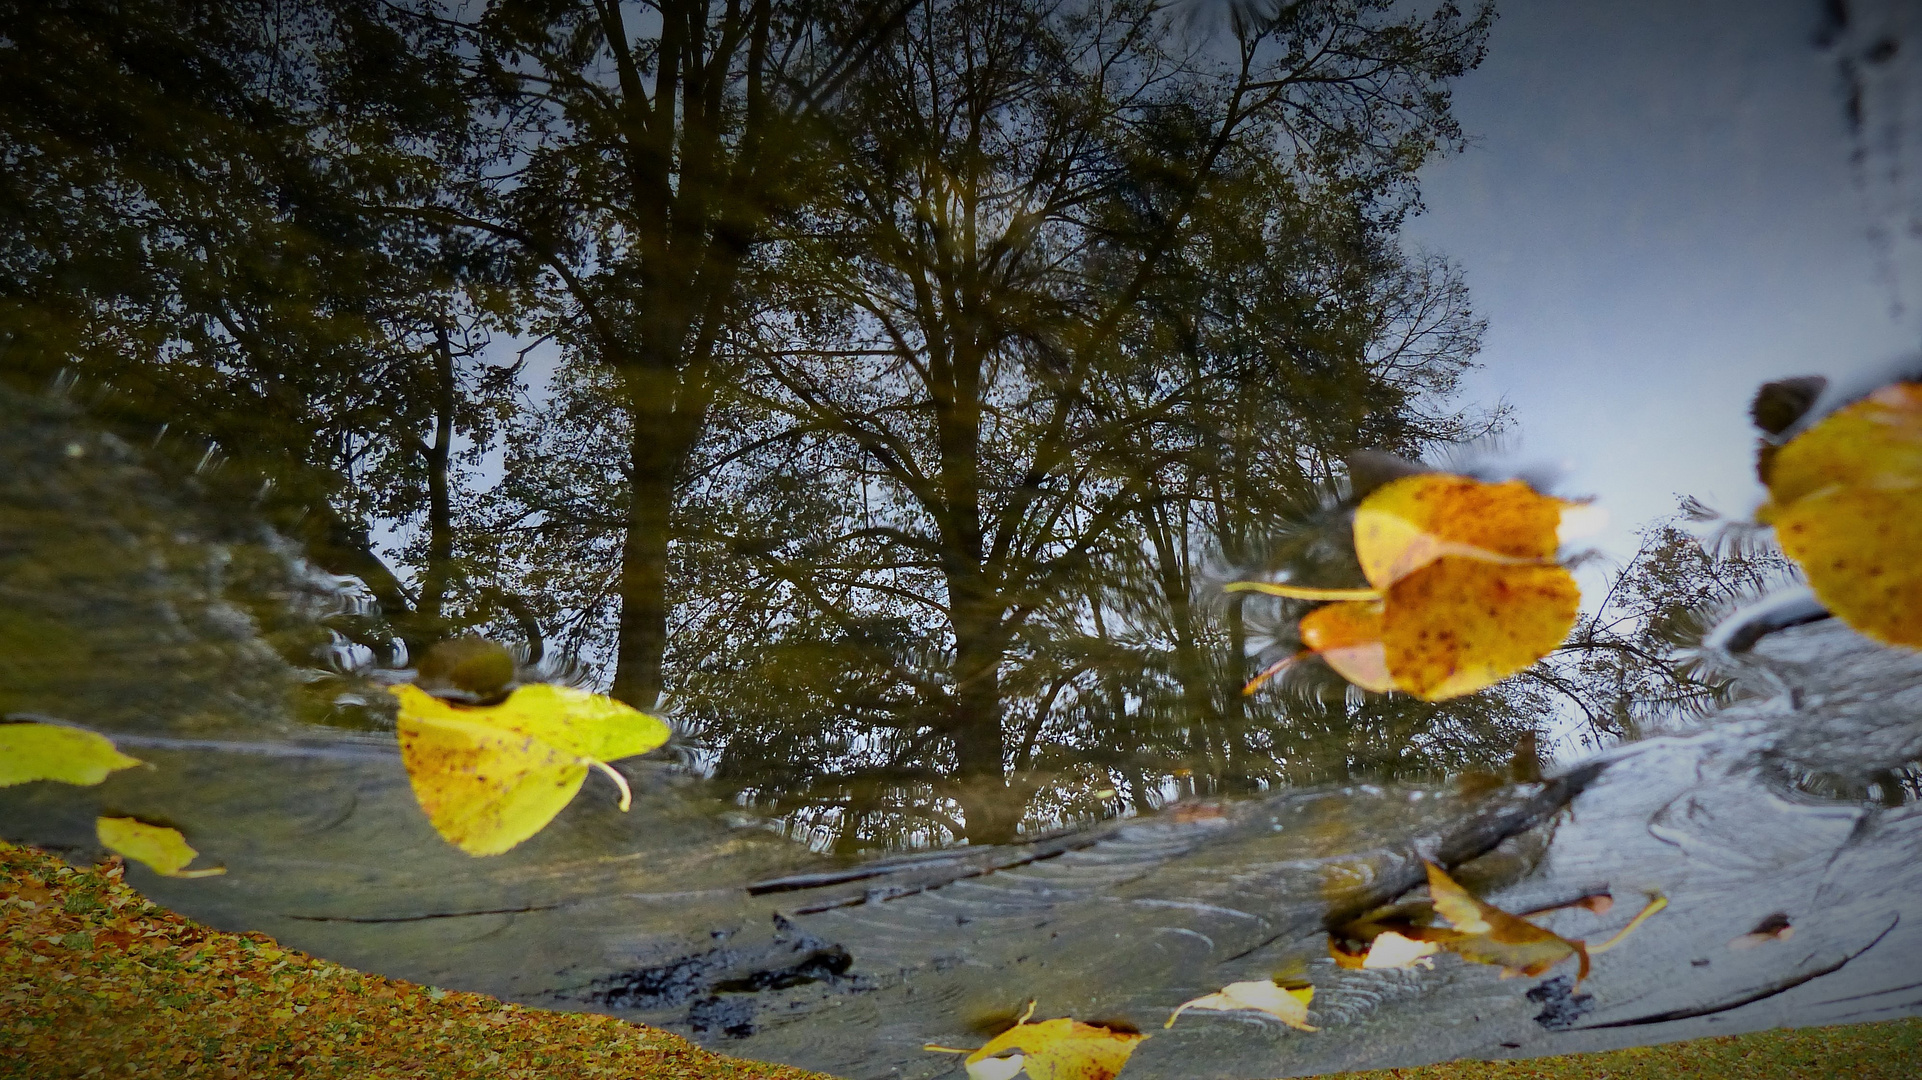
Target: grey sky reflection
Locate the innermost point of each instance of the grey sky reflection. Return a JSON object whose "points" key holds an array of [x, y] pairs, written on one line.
{"points": [[1660, 212]]}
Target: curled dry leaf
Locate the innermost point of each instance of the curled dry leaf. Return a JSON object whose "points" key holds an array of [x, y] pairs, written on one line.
{"points": [[1286, 1004], [1845, 498], [1464, 587], [489, 777], [31, 752], [1775, 927], [1478, 931], [1493, 936], [159, 847], [1060, 1049]]}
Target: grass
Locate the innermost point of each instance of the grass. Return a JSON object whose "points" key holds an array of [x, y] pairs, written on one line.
{"points": [[96, 981], [1885, 1051]]}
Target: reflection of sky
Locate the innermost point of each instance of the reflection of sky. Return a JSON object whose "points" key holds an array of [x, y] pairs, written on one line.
{"points": [[1659, 214]]}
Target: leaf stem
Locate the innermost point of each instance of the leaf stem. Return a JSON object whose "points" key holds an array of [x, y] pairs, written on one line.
{"points": [[1301, 592], [627, 793]]}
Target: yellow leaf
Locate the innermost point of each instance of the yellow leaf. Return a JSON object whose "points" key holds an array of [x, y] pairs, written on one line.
{"points": [[1288, 1005], [1470, 590], [1465, 588], [1391, 950], [489, 777], [1493, 936], [52, 752], [1845, 498], [1060, 1049], [159, 847]]}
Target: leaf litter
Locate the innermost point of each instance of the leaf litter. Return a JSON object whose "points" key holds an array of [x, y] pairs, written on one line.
{"points": [[96, 980]]}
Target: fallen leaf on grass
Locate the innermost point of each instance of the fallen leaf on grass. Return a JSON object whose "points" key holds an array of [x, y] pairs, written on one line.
{"points": [[1061, 1049], [1845, 498], [161, 848], [30, 751], [1286, 1004], [491, 776]]}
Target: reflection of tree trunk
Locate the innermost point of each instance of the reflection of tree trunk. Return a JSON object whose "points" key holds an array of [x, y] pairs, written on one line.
{"points": [[1237, 659], [975, 609], [1191, 668], [992, 810], [429, 623], [641, 642]]}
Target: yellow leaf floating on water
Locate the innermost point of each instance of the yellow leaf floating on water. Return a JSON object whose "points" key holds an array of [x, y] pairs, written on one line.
{"points": [[1391, 950], [159, 847], [489, 777], [1477, 931], [1286, 1004], [31, 752], [1060, 1049], [1464, 587], [1845, 498], [1493, 936]]}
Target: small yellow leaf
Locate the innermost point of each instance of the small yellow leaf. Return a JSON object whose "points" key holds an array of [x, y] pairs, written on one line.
{"points": [[1060, 1049], [1845, 498], [52, 752], [159, 847], [489, 777], [1390, 950], [1286, 1004]]}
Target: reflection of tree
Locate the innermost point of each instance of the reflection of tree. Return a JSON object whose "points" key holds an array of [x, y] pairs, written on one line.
{"points": [[1625, 667], [1090, 303], [643, 153], [184, 239], [919, 359]]}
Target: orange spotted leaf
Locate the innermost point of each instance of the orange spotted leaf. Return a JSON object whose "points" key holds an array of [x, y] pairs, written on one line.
{"points": [[1459, 625], [1412, 522]]}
